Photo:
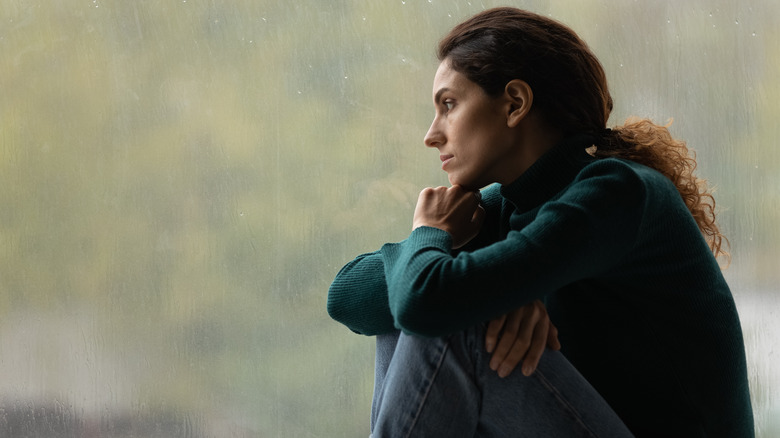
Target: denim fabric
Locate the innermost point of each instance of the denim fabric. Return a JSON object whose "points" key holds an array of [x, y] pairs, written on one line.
{"points": [[443, 387]]}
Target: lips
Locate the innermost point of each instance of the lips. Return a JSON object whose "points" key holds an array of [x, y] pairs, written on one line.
{"points": [[445, 158]]}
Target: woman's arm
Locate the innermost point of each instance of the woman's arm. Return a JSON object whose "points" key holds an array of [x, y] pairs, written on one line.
{"points": [[357, 297], [586, 231]]}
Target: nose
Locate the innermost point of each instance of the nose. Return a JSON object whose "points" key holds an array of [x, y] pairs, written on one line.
{"points": [[434, 137]]}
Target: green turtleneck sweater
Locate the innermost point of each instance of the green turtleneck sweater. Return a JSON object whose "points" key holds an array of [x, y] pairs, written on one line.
{"points": [[641, 305]]}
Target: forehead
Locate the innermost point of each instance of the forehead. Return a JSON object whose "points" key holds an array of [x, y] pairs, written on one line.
{"points": [[443, 73], [448, 78]]}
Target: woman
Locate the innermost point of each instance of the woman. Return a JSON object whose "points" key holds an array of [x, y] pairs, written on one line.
{"points": [[608, 227]]}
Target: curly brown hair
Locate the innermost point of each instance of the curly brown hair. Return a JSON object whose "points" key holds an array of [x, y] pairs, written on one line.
{"points": [[571, 94], [644, 142]]}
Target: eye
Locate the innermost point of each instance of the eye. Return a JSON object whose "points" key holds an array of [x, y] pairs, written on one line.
{"points": [[449, 104]]}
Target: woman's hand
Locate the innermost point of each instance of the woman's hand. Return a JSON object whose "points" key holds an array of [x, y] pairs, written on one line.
{"points": [[452, 209], [524, 332]]}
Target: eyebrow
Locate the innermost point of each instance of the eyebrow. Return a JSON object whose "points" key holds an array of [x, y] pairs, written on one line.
{"points": [[441, 91]]}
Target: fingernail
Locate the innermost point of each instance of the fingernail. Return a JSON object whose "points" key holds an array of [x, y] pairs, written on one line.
{"points": [[503, 372], [493, 365], [489, 347], [527, 370]]}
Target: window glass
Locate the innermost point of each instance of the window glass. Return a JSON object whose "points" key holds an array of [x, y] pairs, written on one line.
{"points": [[181, 180]]}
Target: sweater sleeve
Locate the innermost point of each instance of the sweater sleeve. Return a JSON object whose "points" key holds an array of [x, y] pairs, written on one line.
{"points": [[358, 296], [589, 228]]}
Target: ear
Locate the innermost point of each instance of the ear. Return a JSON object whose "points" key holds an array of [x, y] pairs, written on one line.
{"points": [[520, 98]]}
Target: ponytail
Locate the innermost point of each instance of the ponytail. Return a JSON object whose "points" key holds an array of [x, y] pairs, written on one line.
{"points": [[644, 142]]}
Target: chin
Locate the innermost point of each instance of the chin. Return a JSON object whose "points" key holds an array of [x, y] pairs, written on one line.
{"points": [[465, 183], [454, 180]]}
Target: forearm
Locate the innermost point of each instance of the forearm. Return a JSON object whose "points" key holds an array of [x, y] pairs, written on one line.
{"points": [[358, 295], [434, 292], [586, 231]]}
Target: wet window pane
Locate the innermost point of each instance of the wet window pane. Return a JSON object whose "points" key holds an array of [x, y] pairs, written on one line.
{"points": [[180, 181]]}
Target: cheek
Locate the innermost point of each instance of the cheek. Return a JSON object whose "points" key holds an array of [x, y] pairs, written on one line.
{"points": [[470, 131], [493, 131], [484, 139]]}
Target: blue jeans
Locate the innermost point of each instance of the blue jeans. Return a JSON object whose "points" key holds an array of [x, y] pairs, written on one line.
{"points": [[443, 387]]}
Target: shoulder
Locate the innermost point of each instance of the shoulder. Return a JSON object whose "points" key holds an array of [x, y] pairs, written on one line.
{"points": [[618, 186], [617, 172], [613, 184]]}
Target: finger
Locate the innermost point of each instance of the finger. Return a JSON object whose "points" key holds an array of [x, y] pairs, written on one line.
{"points": [[507, 339], [469, 198], [522, 343], [493, 329], [427, 193], [534, 355], [432, 209]]}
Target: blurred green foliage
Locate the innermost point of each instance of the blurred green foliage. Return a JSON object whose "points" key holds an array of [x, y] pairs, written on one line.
{"points": [[182, 179]]}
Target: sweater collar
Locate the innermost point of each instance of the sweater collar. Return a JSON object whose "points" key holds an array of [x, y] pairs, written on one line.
{"points": [[550, 174]]}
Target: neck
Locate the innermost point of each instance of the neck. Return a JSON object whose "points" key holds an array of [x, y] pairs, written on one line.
{"points": [[534, 139]]}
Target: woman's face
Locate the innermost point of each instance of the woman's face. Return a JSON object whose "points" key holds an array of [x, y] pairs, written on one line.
{"points": [[470, 130]]}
